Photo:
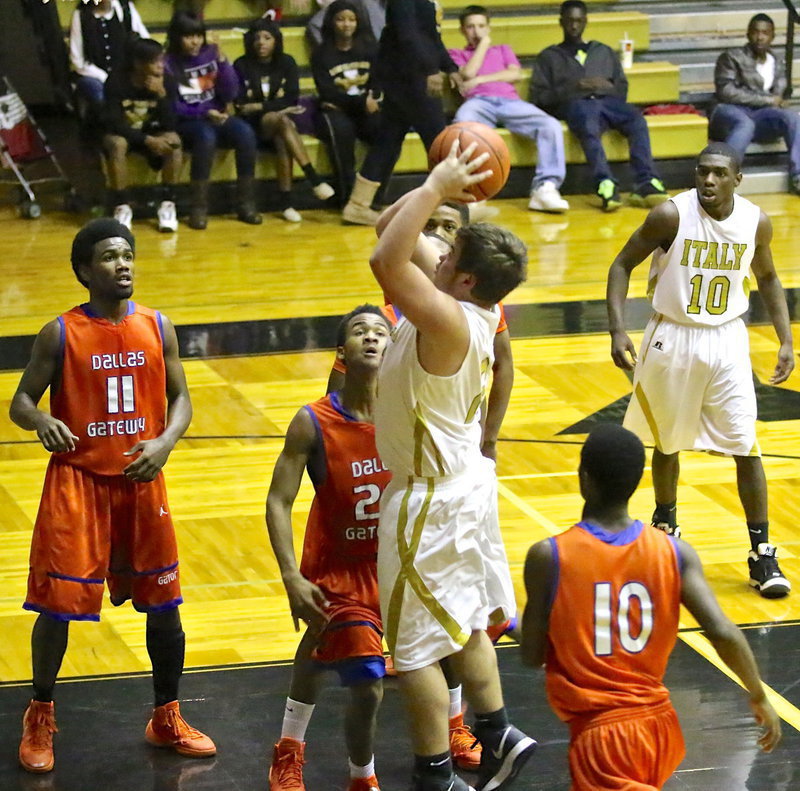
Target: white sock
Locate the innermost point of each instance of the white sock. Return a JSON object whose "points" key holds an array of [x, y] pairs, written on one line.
{"points": [[455, 702], [362, 771], [296, 717]]}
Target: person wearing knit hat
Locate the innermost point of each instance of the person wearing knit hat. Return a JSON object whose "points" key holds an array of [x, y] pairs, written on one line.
{"points": [[118, 405]]}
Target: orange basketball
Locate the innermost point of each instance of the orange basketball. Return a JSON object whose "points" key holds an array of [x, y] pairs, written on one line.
{"points": [[468, 132]]}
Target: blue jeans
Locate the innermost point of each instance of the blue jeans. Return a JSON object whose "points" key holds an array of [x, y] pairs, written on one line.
{"points": [[90, 89], [201, 137], [527, 120], [589, 118], [738, 126]]}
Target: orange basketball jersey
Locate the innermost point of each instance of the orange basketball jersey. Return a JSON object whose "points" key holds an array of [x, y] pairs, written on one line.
{"points": [[341, 541], [113, 389], [613, 620]]}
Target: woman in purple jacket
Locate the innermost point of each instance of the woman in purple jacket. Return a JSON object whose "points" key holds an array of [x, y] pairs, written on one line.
{"points": [[206, 87]]}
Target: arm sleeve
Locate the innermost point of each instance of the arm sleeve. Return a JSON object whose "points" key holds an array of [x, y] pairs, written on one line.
{"points": [[77, 57], [412, 46], [227, 86], [729, 88], [290, 83], [544, 91], [137, 26]]}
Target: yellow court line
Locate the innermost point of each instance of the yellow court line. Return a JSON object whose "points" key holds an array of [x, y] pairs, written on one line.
{"points": [[786, 711], [551, 527]]}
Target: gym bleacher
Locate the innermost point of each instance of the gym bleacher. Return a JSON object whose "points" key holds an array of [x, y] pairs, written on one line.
{"points": [[675, 51]]}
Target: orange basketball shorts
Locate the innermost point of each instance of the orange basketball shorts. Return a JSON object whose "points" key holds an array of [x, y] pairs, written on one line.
{"points": [[625, 752], [352, 642], [96, 528]]}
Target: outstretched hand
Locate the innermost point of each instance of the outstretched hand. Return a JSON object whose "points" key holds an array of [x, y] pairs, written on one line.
{"points": [[453, 175]]}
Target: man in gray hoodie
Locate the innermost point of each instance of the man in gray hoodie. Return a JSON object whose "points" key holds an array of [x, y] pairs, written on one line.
{"points": [[750, 82]]}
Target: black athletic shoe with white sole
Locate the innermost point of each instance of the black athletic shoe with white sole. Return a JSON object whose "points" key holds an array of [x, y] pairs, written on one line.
{"points": [[502, 760], [765, 574]]}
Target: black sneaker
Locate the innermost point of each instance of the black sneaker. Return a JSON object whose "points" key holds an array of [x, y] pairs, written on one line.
{"points": [[607, 190], [455, 783], [649, 195], [668, 525], [765, 574], [502, 761]]}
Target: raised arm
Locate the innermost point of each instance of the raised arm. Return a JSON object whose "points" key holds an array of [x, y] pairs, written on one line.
{"points": [[306, 600], [658, 230], [539, 580], [153, 453], [42, 372], [434, 313], [772, 294], [729, 642]]}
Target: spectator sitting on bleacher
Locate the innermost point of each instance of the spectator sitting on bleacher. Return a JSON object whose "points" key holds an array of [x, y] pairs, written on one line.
{"points": [[206, 87], [583, 83], [269, 92], [98, 34], [750, 82], [140, 118], [410, 70], [342, 66], [372, 11], [489, 72]]}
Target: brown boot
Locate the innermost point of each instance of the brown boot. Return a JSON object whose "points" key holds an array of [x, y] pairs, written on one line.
{"points": [[246, 200], [38, 727], [358, 211], [198, 214]]}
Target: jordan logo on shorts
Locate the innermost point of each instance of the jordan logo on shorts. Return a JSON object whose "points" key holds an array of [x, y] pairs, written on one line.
{"points": [[658, 345], [162, 511]]}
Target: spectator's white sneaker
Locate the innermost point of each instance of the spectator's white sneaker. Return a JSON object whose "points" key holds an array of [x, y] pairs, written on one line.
{"points": [[124, 214], [546, 197], [291, 215], [323, 191], [167, 217]]}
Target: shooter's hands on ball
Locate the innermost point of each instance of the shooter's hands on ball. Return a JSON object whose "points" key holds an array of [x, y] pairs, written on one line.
{"points": [[451, 177]]}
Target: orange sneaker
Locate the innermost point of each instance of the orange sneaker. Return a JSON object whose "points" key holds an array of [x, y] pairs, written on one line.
{"points": [[38, 727], [168, 729], [364, 784], [286, 770], [464, 747]]}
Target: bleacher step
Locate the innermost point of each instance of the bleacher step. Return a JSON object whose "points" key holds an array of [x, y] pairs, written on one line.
{"points": [[764, 179]]}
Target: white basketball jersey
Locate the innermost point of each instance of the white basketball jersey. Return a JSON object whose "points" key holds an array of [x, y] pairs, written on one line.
{"points": [[704, 277], [428, 425]]}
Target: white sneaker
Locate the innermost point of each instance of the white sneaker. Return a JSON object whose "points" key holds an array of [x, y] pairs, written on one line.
{"points": [[323, 191], [546, 197], [291, 215], [124, 214], [167, 217]]}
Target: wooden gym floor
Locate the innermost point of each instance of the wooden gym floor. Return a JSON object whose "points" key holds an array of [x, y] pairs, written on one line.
{"points": [[255, 308]]}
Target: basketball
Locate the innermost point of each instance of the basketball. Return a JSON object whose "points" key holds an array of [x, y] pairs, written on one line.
{"points": [[488, 141]]}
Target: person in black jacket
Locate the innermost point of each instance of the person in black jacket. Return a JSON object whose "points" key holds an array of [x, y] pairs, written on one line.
{"points": [[269, 95], [342, 67], [410, 70], [583, 83], [139, 117]]}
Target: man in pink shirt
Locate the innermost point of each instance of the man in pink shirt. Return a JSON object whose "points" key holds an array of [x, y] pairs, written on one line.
{"points": [[489, 73]]}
